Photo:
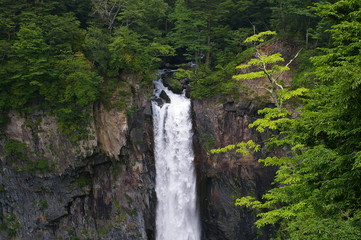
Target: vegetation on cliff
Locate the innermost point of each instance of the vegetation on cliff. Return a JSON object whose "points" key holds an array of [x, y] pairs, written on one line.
{"points": [[317, 191], [61, 56], [64, 55]]}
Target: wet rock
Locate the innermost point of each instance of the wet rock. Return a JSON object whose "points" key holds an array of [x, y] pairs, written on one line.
{"points": [[163, 95], [229, 107], [162, 99]]}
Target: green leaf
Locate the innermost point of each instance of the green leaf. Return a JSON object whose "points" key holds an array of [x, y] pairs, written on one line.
{"points": [[259, 37]]}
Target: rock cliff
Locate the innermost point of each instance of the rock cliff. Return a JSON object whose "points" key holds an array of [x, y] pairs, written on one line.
{"points": [[98, 188], [103, 187], [227, 176]]}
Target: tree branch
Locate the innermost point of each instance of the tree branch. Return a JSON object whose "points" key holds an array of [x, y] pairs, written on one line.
{"points": [[289, 63]]}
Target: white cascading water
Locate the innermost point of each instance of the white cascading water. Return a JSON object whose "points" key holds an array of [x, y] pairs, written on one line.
{"points": [[177, 217]]}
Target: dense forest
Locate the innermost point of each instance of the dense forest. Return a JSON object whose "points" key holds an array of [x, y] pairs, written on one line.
{"points": [[61, 56]]}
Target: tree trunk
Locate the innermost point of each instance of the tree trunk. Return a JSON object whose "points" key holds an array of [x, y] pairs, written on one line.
{"points": [[208, 53]]}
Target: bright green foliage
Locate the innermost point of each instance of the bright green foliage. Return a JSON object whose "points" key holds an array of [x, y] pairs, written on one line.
{"points": [[242, 147], [266, 67], [220, 82], [318, 193], [97, 42], [134, 43], [274, 118], [259, 37], [183, 73], [132, 53], [263, 59], [286, 94], [44, 66]]}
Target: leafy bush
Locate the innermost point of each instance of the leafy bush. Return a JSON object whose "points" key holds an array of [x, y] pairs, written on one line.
{"points": [[219, 82], [14, 147]]}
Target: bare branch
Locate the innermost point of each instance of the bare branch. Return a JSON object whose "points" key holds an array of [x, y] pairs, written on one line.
{"points": [[293, 58], [267, 89], [289, 63]]}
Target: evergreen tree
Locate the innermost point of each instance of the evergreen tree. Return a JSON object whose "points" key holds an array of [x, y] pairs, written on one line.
{"points": [[318, 192]]}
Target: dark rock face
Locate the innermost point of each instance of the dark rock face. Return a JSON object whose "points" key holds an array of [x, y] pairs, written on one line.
{"points": [[164, 96], [101, 188], [162, 99], [224, 177]]}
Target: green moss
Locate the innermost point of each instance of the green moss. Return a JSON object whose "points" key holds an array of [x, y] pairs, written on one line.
{"points": [[3, 119], [174, 84], [83, 181], [116, 171], [14, 147], [121, 216], [105, 230], [43, 204], [73, 121], [40, 165], [133, 212], [10, 225], [131, 111], [207, 140], [117, 205]]}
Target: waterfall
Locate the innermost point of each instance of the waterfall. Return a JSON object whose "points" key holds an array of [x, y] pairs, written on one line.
{"points": [[177, 216]]}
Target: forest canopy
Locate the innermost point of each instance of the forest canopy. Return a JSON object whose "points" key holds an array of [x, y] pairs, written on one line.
{"points": [[60, 54]]}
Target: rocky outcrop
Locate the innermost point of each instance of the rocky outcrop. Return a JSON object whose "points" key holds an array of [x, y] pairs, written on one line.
{"points": [[40, 135], [227, 176], [99, 188], [111, 129]]}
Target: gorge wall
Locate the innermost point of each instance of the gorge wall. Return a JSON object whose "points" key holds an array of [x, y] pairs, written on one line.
{"points": [[104, 187], [99, 188], [227, 176]]}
